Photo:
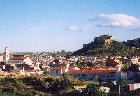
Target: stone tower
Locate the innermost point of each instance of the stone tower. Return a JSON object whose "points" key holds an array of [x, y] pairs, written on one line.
{"points": [[6, 56]]}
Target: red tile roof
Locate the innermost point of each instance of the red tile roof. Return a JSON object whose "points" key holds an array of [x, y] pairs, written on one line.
{"points": [[105, 68], [37, 70], [20, 68], [123, 71], [58, 68], [29, 70], [92, 71], [17, 57]]}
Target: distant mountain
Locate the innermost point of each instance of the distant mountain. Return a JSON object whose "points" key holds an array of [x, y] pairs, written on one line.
{"points": [[105, 45]]}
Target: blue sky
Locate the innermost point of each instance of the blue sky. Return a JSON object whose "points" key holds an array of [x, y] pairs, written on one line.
{"points": [[53, 25]]}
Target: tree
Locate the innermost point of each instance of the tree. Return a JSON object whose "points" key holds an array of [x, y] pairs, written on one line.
{"points": [[92, 90], [91, 64], [135, 92], [121, 82]]}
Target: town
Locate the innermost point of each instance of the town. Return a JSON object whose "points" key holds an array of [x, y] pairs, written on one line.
{"points": [[81, 67], [70, 48]]}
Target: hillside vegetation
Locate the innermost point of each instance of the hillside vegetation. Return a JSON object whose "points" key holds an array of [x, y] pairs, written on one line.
{"points": [[106, 46]]}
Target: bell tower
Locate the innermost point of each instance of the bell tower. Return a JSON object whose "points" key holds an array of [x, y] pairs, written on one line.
{"points": [[6, 56]]}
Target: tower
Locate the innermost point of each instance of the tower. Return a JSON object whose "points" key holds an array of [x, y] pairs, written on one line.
{"points": [[6, 56]]}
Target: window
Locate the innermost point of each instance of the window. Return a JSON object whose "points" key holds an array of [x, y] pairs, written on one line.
{"points": [[107, 76], [78, 75], [91, 75], [56, 71], [83, 75], [111, 76], [103, 76]]}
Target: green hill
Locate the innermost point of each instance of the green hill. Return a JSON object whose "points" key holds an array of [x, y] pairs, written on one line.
{"points": [[105, 45]]}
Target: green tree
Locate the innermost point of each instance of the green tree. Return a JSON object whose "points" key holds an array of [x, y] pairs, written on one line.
{"points": [[122, 81], [92, 90]]}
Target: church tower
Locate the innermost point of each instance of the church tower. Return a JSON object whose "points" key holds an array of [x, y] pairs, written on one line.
{"points": [[6, 56]]}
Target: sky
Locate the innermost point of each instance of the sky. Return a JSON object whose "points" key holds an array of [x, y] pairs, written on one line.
{"points": [[53, 25]]}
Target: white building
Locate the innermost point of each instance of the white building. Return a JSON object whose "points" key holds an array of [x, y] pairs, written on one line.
{"points": [[59, 71], [6, 56], [104, 74], [104, 89], [20, 59], [134, 86]]}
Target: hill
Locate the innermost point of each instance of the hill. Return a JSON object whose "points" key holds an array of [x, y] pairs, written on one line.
{"points": [[106, 46]]}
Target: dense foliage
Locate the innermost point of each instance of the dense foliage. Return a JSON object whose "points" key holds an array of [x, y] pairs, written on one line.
{"points": [[56, 86], [38, 85]]}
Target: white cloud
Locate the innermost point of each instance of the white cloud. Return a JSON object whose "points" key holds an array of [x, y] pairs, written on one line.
{"points": [[117, 20], [79, 28]]}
